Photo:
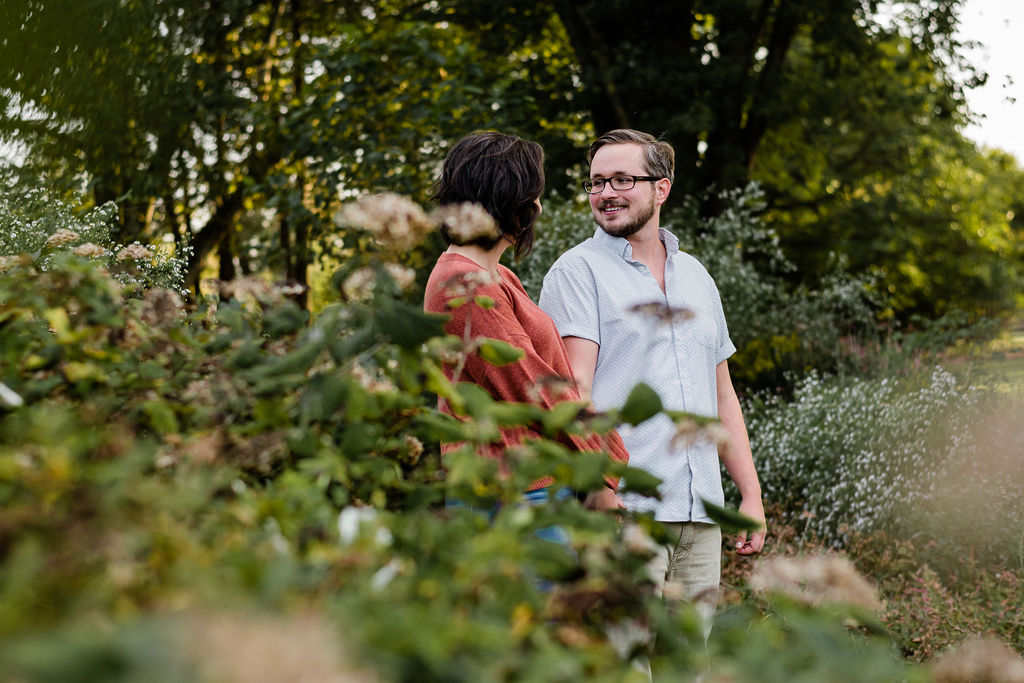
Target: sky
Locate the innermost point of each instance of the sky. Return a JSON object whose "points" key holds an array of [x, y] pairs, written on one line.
{"points": [[999, 26]]}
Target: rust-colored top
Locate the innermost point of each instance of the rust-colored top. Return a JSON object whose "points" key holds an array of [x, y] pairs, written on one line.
{"points": [[514, 318]]}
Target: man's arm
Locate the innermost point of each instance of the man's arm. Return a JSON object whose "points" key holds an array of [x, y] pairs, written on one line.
{"points": [[583, 361], [739, 461]]}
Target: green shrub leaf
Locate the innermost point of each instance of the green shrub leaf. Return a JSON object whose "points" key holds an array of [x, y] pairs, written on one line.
{"points": [[497, 352], [642, 404]]}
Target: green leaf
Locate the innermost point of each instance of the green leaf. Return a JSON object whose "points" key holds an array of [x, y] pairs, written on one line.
{"points": [[497, 352], [348, 346], [730, 520], [442, 427], [642, 404], [561, 415], [407, 325], [640, 481], [284, 319], [161, 416], [247, 355], [475, 399], [514, 414]]}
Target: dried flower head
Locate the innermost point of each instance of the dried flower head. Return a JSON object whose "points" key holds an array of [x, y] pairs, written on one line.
{"points": [[979, 660], [90, 250], [290, 288], [9, 262], [414, 447], [134, 252], [161, 307], [558, 388], [252, 288], [371, 382], [259, 647], [395, 221], [360, 284], [62, 238], [815, 579], [466, 284], [689, 431], [403, 277], [662, 312], [466, 222]]}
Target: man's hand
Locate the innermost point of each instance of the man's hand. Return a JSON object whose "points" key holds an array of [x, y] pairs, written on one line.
{"points": [[752, 543], [604, 499]]}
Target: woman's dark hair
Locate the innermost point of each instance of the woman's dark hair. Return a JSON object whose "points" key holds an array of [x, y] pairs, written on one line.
{"points": [[502, 173]]}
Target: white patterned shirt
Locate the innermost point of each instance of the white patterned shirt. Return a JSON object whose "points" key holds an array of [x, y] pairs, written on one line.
{"points": [[590, 292]]}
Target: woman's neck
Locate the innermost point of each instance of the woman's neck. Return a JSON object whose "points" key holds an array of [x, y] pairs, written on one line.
{"points": [[485, 258]]}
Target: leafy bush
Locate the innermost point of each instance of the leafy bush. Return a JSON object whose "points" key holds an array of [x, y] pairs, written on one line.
{"points": [[39, 228], [241, 468]]}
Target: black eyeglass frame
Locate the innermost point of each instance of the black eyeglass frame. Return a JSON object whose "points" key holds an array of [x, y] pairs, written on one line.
{"points": [[588, 184]]}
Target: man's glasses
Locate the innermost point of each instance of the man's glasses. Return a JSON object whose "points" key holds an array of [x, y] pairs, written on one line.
{"points": [[619, 183]]}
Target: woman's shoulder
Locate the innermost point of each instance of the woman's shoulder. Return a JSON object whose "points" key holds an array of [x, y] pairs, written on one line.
{"points": [[456, 277]]}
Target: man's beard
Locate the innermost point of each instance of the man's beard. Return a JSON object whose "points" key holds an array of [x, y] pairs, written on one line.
{"points": [[633, 226]]}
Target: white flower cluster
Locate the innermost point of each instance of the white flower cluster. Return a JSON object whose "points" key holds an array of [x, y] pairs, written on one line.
{"points": [[466, 222], [62, 238], [396, 221], [37, 229], [864, 455], [814, 580]]}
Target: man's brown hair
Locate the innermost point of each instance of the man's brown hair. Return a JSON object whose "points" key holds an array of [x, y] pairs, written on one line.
{"points": [[659, 157]]}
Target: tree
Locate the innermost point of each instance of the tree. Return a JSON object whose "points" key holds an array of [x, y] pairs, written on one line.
{"points": [[237, 126]]}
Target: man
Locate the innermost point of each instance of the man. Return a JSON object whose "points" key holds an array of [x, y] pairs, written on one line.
{"points": [[600, 294]]}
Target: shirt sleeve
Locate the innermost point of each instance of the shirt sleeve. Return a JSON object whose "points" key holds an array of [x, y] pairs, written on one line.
{"points": [[569, 296], [725, 346]]}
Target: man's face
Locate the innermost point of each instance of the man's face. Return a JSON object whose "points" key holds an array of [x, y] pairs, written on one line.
{"points": [[622, 213]]}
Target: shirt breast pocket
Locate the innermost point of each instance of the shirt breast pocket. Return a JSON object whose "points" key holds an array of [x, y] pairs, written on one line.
{"points": [[703, 329]]}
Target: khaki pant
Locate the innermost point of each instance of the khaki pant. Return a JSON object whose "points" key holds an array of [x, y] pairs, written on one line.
{"points": [[689, 567], [686, 569]]}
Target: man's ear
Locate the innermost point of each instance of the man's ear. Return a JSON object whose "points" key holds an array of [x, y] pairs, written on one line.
{"points": [[662, 187]]}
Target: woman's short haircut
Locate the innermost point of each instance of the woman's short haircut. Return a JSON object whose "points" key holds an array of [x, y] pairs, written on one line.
{"points": [[659, 157], [502, 173]]}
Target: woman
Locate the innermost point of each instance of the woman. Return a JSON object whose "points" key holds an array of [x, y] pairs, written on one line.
{"points": [[504, 174]]}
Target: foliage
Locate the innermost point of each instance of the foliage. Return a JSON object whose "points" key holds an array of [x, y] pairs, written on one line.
{"points": [[186, 494], [930, 604], [930, 609], [38, 228], [920, 454], [238, 128]]}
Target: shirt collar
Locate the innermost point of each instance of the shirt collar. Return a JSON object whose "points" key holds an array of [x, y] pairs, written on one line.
{"points": [[622, 247]]}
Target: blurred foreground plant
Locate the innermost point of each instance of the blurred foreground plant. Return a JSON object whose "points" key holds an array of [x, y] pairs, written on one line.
{"points": [[162, 461]]}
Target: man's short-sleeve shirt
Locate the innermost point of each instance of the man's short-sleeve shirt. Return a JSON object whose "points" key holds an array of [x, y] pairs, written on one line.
{"points": [[597, 291]]}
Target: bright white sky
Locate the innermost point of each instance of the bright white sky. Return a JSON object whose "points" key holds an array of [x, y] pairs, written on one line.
{"points": [[999, 26]]}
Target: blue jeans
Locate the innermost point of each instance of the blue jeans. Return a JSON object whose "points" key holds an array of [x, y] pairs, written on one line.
{"points": [[555, 534]]}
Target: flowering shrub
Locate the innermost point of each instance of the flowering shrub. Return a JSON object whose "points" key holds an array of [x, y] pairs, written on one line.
{"points": [[922, 453], [179, 483], [38, 229]]}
